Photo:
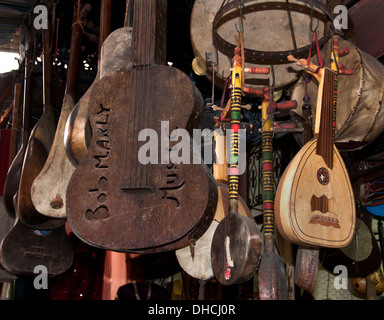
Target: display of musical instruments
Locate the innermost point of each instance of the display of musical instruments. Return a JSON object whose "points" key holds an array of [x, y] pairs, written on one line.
{"points": [[114, 200], [314, 200]]}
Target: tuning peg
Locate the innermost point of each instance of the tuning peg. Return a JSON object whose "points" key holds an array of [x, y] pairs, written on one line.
{"points": [[343, 52], [284, 105], [253, 91], [344, 70], [255, 70]]}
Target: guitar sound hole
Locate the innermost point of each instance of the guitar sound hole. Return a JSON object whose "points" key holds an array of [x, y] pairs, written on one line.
{"points": [[323, 176]]}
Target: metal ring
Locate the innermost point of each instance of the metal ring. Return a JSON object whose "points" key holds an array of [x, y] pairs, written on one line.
{"points": [[268, 57]]}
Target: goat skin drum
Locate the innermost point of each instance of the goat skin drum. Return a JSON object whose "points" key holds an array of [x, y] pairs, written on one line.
{"points": [[266, 28], [359, 113]]}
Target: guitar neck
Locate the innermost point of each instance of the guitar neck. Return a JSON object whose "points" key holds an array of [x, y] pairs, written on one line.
{"points": [[149, 32], [326, 106]]}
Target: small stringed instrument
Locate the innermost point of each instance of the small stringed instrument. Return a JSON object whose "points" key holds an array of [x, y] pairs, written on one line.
{"points": [[12, 181], [272, 276], [23, 248], [48, 190], [314, 200], [236, 243], [197, 262], [115, 199], [39, 144]]}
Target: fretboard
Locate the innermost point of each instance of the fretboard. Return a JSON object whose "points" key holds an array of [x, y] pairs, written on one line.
{"points": [[149, 36], [328, 90]]}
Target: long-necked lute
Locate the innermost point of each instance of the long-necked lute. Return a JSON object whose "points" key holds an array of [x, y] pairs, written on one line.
{"points": [[315, 204], [197, 262], [271, 274], [116, 199], [48, 190], [236, 243]]}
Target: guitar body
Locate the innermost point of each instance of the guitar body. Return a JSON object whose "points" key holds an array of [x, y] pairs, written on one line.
{"points": [[24, 248], [314, 204], [114, 201]]}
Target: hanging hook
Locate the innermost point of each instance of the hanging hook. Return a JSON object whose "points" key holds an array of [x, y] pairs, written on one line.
{"points": [[241, 6]]}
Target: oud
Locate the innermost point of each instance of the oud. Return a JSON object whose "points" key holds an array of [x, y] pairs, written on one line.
{"points": [[113, 200], [314, 199]]}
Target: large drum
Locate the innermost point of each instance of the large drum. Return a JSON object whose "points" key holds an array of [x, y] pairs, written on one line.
{"points": [[266, 28], [359, 115]]}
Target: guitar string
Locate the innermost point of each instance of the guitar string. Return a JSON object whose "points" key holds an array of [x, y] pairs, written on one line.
{"points": [[129, 136], [130, 129], [147, 106], [141, 71], [138, 89]]}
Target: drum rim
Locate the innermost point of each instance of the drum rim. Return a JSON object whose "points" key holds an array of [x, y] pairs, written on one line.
{"points": [[258, 56]]}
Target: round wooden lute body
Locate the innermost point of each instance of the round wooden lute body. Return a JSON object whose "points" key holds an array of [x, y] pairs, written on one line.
{"points": [[315, 204], [297, 212]]}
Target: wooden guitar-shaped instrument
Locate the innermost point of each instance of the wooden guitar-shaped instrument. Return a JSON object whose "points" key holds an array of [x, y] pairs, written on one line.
{"points": [[117, 201], [314, 199], [24, 248]]}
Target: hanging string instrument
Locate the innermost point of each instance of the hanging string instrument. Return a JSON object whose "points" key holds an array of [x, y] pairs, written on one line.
{"points": [[236, 243], [39, 144], [24, 248], [77, 132], [314, 199], [118, 198], [197, 262], [48, 190], [271, 274], [12, 181], [307, 258]]}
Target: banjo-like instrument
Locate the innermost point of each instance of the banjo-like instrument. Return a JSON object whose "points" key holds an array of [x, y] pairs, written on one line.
{"points": [[197, 262], [236, 243]]}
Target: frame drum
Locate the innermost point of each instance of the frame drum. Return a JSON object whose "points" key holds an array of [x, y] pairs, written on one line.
{"points": [[266, 28]]}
